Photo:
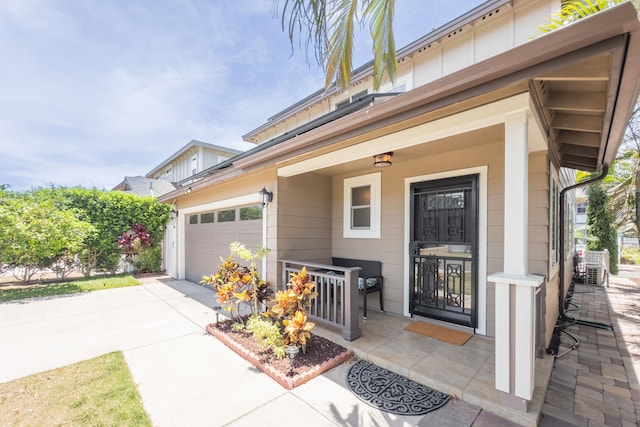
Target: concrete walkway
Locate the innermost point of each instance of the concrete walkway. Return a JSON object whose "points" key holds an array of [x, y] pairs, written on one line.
{"points": [[598, 383], [185, 376]]}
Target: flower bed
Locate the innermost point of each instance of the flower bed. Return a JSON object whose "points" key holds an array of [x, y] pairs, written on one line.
{"points": [[321, 355]]}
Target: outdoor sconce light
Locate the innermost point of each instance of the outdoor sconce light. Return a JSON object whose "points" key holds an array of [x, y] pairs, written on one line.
{"points": [[291, 351], [187, 191], [216, 310], [265, 196], [382, 160]]}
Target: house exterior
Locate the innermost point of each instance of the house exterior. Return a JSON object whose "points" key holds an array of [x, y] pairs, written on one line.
{"points": [[482, 132], [184, 165]]}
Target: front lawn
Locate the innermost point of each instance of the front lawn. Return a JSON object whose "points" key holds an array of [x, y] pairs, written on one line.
{"points": [[10, 293], [95, 392]]}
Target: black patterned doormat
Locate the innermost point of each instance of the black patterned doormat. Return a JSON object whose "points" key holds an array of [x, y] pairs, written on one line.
{"points": [[393, 393]]}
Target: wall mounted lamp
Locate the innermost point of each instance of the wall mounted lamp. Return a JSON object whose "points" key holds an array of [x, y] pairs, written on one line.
{"points": [[382, 160], [265, 196], [188, 191]]}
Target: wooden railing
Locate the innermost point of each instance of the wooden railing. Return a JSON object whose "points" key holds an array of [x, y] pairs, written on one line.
{"points": [[337, 301]]}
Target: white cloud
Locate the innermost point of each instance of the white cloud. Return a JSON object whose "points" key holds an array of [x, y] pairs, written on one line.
{"points": [[94, 91]]}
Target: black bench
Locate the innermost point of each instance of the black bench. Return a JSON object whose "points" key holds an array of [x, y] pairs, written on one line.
{"points": [[371, 273]]}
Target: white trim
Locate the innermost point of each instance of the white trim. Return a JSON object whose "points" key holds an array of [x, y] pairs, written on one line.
{"points": [[374, 181], [482, 172], [248, 199], [466, 121]]}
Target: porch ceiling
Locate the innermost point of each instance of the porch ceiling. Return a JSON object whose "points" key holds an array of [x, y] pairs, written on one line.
{"points": [[576, 103]]}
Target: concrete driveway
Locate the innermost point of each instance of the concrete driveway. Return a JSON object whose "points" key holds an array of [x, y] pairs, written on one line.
{"points": [[185, 376]]}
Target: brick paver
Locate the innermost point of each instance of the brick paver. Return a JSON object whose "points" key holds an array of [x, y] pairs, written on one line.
{"points": [[599, 382]]}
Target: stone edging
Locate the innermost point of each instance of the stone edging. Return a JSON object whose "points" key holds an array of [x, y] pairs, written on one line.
{"points": [[282, 379]]}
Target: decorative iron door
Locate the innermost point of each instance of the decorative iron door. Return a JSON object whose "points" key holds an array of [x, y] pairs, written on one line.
{"points": [[443, 249]]}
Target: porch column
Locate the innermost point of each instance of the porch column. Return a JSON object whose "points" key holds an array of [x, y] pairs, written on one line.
{"points": [[514, 288]]}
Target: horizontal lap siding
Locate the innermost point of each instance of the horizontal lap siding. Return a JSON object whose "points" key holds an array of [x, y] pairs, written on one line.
{"points": [[389, 249], [304, 225]]}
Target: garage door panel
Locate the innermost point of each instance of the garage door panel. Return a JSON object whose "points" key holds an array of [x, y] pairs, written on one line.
{"points": [[206, 243]]}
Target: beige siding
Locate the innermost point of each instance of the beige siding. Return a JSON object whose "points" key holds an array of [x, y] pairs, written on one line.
{"points": [[390, 247], [304, 226]]}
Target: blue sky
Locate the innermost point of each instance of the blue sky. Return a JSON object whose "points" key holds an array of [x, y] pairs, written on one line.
{"points": [[91, 91]]}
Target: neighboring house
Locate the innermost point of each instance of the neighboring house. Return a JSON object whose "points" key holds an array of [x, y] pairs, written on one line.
{"points": [[144, 186], [482, 132], [187, 164]]}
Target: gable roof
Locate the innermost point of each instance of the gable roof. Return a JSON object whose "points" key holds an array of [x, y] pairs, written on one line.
{"points": [[144, 186]]}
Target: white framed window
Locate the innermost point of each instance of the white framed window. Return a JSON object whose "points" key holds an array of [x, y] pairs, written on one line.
{"points": [[402, 84], [362, 206], [554, 219], [194, 165]]}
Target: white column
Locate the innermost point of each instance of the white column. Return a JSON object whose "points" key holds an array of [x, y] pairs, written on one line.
{"points": [[515, 289]]}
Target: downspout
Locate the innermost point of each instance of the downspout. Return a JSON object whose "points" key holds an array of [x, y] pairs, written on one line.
{"points": [[561, 296]]}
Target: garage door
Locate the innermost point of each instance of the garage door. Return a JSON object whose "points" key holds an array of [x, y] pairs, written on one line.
{"points": [[208, 235]]}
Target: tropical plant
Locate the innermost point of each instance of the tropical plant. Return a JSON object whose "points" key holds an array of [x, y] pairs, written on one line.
{"points": [[292, 305], [268, 334], [236, 284], [327, 27]]}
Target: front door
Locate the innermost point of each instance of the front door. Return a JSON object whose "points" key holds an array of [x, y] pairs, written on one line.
{"points": [[444, 249]]}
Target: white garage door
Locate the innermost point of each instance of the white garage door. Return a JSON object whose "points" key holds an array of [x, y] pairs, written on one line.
{"points": [[209, 233]]}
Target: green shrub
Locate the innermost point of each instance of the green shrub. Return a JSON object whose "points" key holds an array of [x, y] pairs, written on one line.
{"points": [[149, 260], [630, 256]]}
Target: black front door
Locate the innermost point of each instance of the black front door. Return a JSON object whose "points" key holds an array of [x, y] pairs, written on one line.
{"points": [[444, 248]]}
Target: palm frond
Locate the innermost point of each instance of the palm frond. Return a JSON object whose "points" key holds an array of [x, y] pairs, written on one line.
{"points": [[574, 10], [339, 55], [380, 14]]}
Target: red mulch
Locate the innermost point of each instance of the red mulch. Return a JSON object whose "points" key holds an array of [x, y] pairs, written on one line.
{"points": [[320, 356]]}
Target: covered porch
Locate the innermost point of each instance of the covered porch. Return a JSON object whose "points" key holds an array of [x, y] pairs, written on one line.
{"points": [[465, 372]]}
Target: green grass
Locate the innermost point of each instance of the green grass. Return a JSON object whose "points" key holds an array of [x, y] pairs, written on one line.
{"points": [[95, 392], [70, 287]]}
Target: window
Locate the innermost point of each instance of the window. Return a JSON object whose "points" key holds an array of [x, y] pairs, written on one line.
{"points": [[353, 98], [167, 174], [362, 206], [193, 219], [249, 213], [194, 166], [553, 221], [582, 208], [206, 218], [228, 215]]}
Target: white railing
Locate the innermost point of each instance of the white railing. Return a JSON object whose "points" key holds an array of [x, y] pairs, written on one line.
{"points": [[337, 301]]}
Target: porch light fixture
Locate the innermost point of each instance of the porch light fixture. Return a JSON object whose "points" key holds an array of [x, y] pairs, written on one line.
{"points": [[382, 160], [187, 191], [265, 196], [291, 351]]}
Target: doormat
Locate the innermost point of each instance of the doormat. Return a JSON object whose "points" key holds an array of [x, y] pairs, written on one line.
{"points": [[392, 393], [438, 332]]}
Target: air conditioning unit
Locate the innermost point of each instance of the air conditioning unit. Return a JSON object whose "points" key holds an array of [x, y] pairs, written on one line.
{"points": [[593, 275]]}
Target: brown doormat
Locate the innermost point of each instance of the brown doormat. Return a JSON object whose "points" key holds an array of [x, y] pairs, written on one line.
{"points": [[438, 332]]}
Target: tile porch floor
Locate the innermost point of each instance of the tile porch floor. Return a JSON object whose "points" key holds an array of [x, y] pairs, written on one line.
{"points": [[466, 373]]}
